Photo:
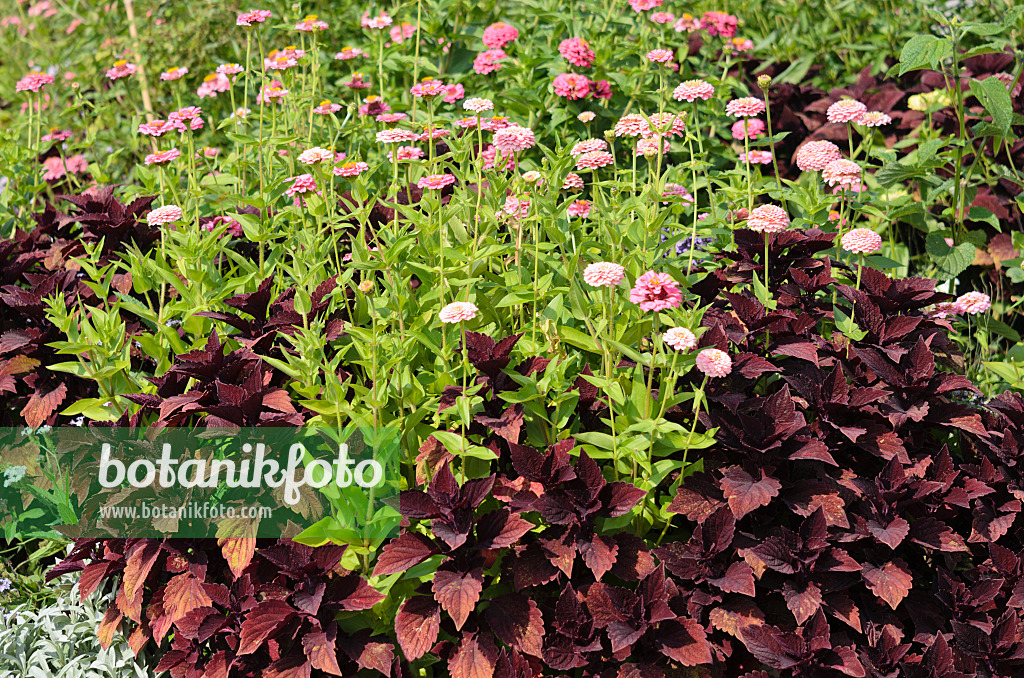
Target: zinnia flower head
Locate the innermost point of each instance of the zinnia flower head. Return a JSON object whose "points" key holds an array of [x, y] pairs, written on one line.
{"points": [[577, 52], [600, 89], [455, 92], [594, 160], [33, 82], [655, 291], [579, 208], [315, 156], [603, 274], [457, 312], [572, 86], [680, 338], [973, 303], [944, 309], [687, 23], [326, 108], [304, 183], [163, 157], [672, 189], [588, 146], [663, 17], [714, 363], [379, 22], [874, 119], [644, 5], [478, 105], [158, 128], [757, 157], [768, 219], [311, 24], [488, 61], [845, 110], [814, 156], [350, 169], [164, 215], [586, 116], [348, 53], [692, 90], [517, 208], [631, 125], [253, 16], [174, 73], [55, 167], [861, 241], [842, 172], [275, 91], [745, 107], [436, 181], [121, 69], [499, 34], [428, 88], [660, 56], [513, 139], [754, 128], [190, 116], [573, 182], [57, 134], [230, 69], [213, 84], [664, 125], [407, 153], [402, 32], [719, 23], [395, 136]]}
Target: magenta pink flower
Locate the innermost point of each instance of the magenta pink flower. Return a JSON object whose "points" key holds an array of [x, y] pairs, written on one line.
{"points": [[164, 215], [719, 23], [573, 182], [431, 133], [402, 32], [861, 241], [436, 182], [514, 139], [655, 292], [516, 207], [379, 22], [680, 339], [350, 169], [600, 89], [660, 56], [571, 86], [691, 90], [253, 16], [428, 88], [275, 91], [212, 85], [740, 45], [121, 69], [664, 125], [233, 227], [579, 208], [588, 146], [672, 190], [373, 105], [454, 93], [493, 161], [768, 219], [190, 117], [55, 166], [644, 5], [304, 183], [814, 156], [488, 61], [358, 81], [846, 110], [348, 53], [603, 274], [457, 312], [163, 157], [174, 73], [33, 82], [316, 155], [158, 128], [499, 34], [745, 107], [842, 172], [229, 69], [391, 117], [754, 128], [406, 153], [311, 24], [714, 363], [973, 303], [631, 125], [577, 52], [57, 134], [594, 160]]}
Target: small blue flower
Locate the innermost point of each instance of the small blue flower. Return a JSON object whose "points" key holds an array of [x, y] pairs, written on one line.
{"points": [[5, 585]]}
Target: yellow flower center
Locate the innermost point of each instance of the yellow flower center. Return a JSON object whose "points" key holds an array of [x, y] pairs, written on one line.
{"points": [[325, 102], [310, 17], [120, 62], [211, 77]]}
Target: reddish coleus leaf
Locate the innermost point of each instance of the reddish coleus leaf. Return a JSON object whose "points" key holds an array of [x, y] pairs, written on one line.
{"points": [[684, 641], [368, 651], [599, 554], [890, 582], [893, 534], [238, 552], [500, 529], [400, 554], [517, 621], [321, 651], [141, 557], [416, 626], [292, 666], [182, 594], [108, 626], [262, 621], [475, 657], [744, 493], [458, 592], [41, 405], [802, 602], [739, 578]]}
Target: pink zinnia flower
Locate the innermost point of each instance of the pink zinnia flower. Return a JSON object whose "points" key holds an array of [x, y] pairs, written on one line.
{"points": [[253, 16], [573, 182], [655, 292], [692, 90], [311, 24], [588, 146], [571, 86], [274, 92], [55, 167], [316, 155], [402, 32], [348, 53], [757, 158], [842, 172], [1007, 79], [677, 190], [600, 89], [174, 73], [680, 338], [499, 34], [745, 107], [379, 22], [687, 23], [406, 153], [664, 125], [33, 82], [121, 69], [944, 310], [158, 128], [351, 169], [233, 227], [57, 134], [873, 119], [513, 139], [478, 105], [395, 136], [755, 128], [768, 219], [326, 108], [579, 208], [714, 363], [649, 147], [454, 93], [861, 241], [431, 133], [663, 17], [492, 160], [429, 88], [846, 110], [586, 116], [357, 81], [719, 23], [229, 69], [190, 117], [631, 125], [660, 56], [973, 303], [436, 181], [517, 208], [740, 45], [164, 215], [488, 61], [577, 52], [814, 156], [594, 159], [603, 274], [391, 117], [303, 183], [465, 123], [163, 157], [213, 84], [644, 5], [457, 312]]}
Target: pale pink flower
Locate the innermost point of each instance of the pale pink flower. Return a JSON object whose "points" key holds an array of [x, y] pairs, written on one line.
{"points": [[571, 86], [603, 274], [944, 309], [768, 219], [861, 241], [517, 208], [275, 91], [631, 125], [436, 181], [428, 88], [873, 119], [691, 90], [348, 53], [358, 81], [586, 116], [577, 52], [379, 22], [719, 23], [304, 183], [57, 134], [478, 105], [326, 108], [757, 157], [406, 153], [579, 208], [499, 34], [316, 155], [814, 156], [391, 117], [465, 123], [594, 160], [402, 32], [573, 182], [714, 363], [644, 5], [164, 215], [745, 107], [687, 23], [754, 128], [533, 177], [158, 128], [241, 112], [495, 123], [845, 110], [253, 16], [660, 56], [973, 303], [672, 189], [488, 61], [121, 69], [190, 117], [279, 62], [649, 147], [396, 136], [213, 84], [588, 146], [842, 172], [431, 133], [664, 125], [492, 160], [55, 167], [655, 292], [174, 73], [230, 69], [457, 312], [514, 139], [663, 17], [680, 338], [311, 24], [163, 157], [350, 169], [740, 45], [600, 89], [33, 82]]}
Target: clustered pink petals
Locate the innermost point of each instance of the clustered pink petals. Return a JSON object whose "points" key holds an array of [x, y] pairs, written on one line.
{"points": [[121, 69], [603, 274], [316, 155], [845, 110], [57, 134], [631, 125], [594, 160], [428, 88], [586, 117], [457, 312], [478, 105], [861, 241], [406, 153], [663, 17], [213, 84], [660, 56], [163, 157], [814, 156], [395, 136], [579, 208], [229, 69], [687, 24], [488, 61], [304, 183], [326, 108], [873, 119], [573, 182], [379, 22], [572, 86], [233, 227], [768, 219], [714, 363], [757, 158], [158, 128], [33, 82], [672, 190], [517, 208], [944, 309], [655, 291], [56, 167], [499, 34], [164, 215], [644, 5], [311, 24], [973, 303], [842, 172], [454, 92], [577, 52], [351, 169], [190, 117], [436, 181], [348, 53], [391, 117], [174, 73], [588, 146], [719, 23], [275, 91], [745, 107], [740, 45], [514, 139], [754, 128], [253, 16], [680, 339], [692, 90], [664, 125], [402, 32]]}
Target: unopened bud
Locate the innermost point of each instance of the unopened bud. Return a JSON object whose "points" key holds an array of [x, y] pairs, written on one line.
{"points": [[764, 81]]}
